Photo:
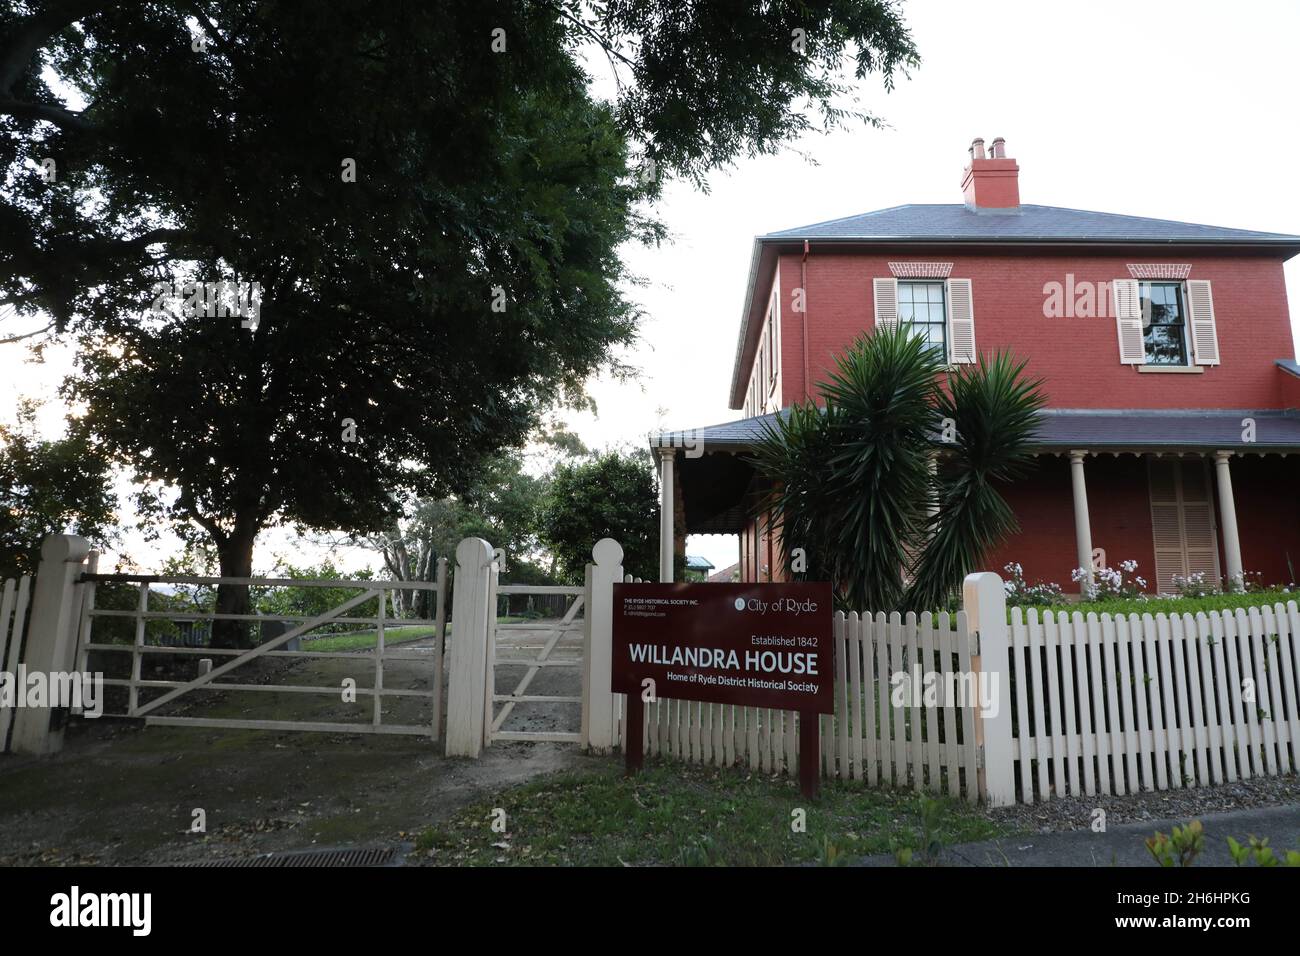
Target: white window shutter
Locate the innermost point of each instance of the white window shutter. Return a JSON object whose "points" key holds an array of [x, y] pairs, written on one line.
{"points": [[887, 302], [1205, 338], [961, 322], [1128, 322]]}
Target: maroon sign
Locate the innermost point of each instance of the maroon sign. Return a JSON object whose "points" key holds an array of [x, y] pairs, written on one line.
{"points": [[755, 645]]}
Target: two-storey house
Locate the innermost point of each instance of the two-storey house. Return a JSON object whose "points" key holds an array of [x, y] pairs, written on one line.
{"points": [[1165, 349]]}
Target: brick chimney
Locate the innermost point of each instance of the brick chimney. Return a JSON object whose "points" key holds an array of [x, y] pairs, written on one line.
{"points": [[993, 181]]}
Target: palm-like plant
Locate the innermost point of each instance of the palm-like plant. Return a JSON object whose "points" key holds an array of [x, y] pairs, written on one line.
{"points": [[854, 479]]}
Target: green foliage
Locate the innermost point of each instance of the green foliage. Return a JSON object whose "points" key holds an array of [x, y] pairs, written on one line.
{"points": [[213, 148], [313, 601], [1164, 605], [995, 408], [852, 481], [613, 496], [1181, 848], [923, 848], [687, 815], [1258, 851], [49, 487]]}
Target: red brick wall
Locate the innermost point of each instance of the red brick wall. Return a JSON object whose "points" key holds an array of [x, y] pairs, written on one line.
{"points": [[1267, 493], [1044, 505], [1077, 357], [1268, 518]]}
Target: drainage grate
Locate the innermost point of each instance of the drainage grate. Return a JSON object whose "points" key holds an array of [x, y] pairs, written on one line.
{"points": [[361, 856]]}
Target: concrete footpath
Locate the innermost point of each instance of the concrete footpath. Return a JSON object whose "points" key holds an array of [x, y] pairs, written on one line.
{"points": [[1123, 844]]}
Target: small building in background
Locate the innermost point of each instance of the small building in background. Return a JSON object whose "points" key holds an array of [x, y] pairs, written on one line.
{"points": [[698, 568]]}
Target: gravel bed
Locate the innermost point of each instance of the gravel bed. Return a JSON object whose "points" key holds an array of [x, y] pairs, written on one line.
{"points": [[1075, 813]]}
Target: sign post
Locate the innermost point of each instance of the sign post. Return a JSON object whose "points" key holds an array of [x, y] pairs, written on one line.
{"points": [[752, 645], [634, 742]]}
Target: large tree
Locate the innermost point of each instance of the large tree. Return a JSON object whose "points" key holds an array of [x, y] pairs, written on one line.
{"points": [[427, 195], [612, 496]]}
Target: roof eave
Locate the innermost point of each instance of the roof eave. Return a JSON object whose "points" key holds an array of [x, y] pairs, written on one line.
{"points": [[737, 389]]}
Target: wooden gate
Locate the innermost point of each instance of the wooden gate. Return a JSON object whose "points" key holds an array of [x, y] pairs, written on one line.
{"points": [[532, 646], [147, 643]]}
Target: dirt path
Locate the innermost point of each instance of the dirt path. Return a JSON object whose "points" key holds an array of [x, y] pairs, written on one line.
{"points": [[123, 793]]}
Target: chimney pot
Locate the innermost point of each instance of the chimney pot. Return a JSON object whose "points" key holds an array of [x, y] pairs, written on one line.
{"points": [[992, 181]]}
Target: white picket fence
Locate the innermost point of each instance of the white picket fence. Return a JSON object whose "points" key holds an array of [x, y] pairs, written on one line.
{"points": [[876, 736], [14, 601], [1075, 704], [1153, 702]]}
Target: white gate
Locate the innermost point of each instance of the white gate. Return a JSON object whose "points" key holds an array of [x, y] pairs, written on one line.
{"points": [[531, 647], [146, 645]]}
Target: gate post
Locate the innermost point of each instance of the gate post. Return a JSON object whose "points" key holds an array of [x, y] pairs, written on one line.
{"points": [[985, 601], [51, 638], [467, 680], [599, 715]]}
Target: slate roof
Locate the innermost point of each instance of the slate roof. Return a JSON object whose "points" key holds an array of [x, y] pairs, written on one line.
{"points": [[960, 223], [1067, 428]]}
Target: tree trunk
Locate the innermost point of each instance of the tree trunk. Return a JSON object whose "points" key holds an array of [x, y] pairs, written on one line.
{"points": [[235, 557]]}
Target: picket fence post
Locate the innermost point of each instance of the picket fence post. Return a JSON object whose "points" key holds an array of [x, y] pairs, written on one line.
{"points": [[985, 603], [51, 637], [599, 715], [467, 683]]}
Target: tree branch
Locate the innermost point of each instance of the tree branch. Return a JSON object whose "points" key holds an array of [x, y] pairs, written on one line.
{"points": [[603, 41], [31, 33], [60, 117], [26, 335]]}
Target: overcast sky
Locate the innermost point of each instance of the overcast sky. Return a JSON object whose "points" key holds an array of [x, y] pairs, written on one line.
{"points": [[1175, 110]]}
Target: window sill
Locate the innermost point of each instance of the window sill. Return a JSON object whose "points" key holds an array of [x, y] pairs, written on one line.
{"points": [[1173, 369]]}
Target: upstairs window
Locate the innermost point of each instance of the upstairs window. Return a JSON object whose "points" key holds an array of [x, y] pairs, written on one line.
{"points": [[1164, 323], [922, 305]]}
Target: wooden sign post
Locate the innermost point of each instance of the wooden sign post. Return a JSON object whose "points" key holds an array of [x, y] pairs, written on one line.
{"points": [[751, 645], [634, 739]]}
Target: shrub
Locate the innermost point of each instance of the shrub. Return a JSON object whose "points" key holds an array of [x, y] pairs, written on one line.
{"points": [[1020, 592], [1112, 583], [1194, 585]]}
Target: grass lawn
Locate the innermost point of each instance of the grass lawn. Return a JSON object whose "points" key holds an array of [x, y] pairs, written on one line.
{"points": [[1175, 605], [365, 640], [676, 814]]}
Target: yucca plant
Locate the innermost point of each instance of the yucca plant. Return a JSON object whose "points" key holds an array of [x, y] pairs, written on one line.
{"points": [[993, 410], [854, 481]]}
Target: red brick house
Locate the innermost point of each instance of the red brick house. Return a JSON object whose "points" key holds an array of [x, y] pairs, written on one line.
{"points": [[1172, 435]]}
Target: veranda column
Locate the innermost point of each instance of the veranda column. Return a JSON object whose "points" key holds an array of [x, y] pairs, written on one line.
{"points": [[1228, 518], [1082, 523], [666, 513]]}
